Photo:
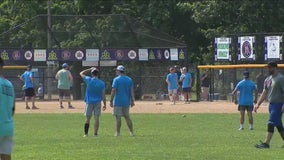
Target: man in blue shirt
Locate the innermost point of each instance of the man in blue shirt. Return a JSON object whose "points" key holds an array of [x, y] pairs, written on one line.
{"points": [[172, 81], [27, 77], [95, 93], [246, 89], [122, 97], [7, 109], [186, 81]]}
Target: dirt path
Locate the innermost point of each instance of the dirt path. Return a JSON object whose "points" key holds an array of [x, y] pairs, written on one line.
{"points": [[142, 107]]}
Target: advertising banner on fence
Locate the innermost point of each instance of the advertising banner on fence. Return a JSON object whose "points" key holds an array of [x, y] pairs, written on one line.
{"points": [[273, 48], [246, 48], [222, 49], [143, 54]]}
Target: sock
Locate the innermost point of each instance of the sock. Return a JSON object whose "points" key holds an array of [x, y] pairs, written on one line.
{"points": [[86, 128], [241, 126], [250, 125]]}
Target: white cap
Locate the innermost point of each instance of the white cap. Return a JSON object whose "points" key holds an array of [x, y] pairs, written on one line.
{"points": [[120, 68]]}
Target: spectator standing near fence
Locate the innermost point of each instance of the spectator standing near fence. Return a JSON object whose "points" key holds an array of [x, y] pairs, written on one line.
{"points": [[186, 83], [65, 80], [172, 81], [121, 98], [274, 92], [28, 78], [95, 93], [247, 89], [7, 109], [205, 84]]}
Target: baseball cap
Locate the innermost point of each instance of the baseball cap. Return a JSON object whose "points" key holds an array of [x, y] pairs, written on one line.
{"points": [[272, 64], [120, 68], [64, 65], [29, 66], [95, 70], [246, 74]]}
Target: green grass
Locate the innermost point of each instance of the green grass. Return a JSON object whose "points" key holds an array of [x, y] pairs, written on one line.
{"points": [[158, 136]]}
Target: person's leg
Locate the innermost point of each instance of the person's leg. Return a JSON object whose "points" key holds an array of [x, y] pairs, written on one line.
{"points": [[87, 125], [5, 157], [250, 117], [175, 96], [118, 124], [27, 100], [96, 125], [129, 124], [242, 119], [60, 95]]}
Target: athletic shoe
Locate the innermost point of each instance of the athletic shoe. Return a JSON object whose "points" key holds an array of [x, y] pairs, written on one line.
{"points": [[131, 134], [262, 145], [34, 107], [27, 107], [251, 128], [117, 134], [61, 107], [241, 128], [96, 135], [85, 135], [71, 107]]}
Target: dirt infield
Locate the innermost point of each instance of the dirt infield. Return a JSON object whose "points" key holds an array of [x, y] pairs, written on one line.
{"points": [[142, 107]]}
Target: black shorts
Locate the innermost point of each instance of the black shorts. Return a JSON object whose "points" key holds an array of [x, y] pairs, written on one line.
{"points": [[187, 89], [64, 92], [29, 92], [245, 108]]}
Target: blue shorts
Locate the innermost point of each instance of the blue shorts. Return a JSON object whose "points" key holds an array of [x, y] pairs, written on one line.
{"points": [[275, 114]]}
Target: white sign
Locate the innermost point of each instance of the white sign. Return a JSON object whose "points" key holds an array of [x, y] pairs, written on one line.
{"points": [[92, 54], [273, 46], [246, 49], [223, 48], [39, 55], [174, 54], [143, 54]]}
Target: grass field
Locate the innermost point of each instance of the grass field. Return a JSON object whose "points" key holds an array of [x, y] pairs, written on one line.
{"points": [[158, 136]]}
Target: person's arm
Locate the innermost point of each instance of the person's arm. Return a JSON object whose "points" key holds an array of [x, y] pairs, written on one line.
{"points": [[255, 96], [83, 73], [132, 97], [112, 94], [57, 75], [104, 99], [14, 108], [190, 82], [261, 99], [234, 94], [70, 77]]}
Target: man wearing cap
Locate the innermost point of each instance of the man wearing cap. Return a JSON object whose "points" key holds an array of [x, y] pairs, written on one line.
{"points": [[122, 97], [273, 91], [27, 77], [65, 80], [172, 81], [245, 89], [186, 83], [7, 110], [95, 93]]}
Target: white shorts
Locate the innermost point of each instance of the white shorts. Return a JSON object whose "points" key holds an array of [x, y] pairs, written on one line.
{"points": [[6, 145], [173, 91]]}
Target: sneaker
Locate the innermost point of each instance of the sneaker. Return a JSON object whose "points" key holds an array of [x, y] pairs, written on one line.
{"points": [[241, 128], [131, 134], [85, 135], [27, 107], [96, 135], [262, 145], [61, 107], [71, 107], [117, 134], [251, 128], [34, 107]]}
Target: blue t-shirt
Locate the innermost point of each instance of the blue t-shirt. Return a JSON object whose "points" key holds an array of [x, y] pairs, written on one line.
{"points": [[185, 78], [123, 85], [7, 97], [246, 88], [27, 78], [94, 89], [173, 79]]}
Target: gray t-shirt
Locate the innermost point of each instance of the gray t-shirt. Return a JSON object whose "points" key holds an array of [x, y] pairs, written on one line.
{"points": [[274, 87]]}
